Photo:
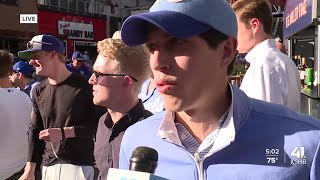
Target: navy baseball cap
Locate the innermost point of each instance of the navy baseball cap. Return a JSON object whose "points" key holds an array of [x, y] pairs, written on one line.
{"points": [[181, 19], [42, 43], [24, 67], [78, 56]]}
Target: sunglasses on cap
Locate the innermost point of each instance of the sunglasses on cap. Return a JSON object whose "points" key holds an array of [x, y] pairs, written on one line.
{"points": [[30, 44]]}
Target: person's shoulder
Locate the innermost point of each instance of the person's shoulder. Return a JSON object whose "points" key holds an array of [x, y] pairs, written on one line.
{"points": [[42, 83], [276, 57], [85, 67], [80, 79], [38, 87], [259, 57], [146, 114], [20, 93], [25, 99], [78, 83], [279, 113], [34, 84], [17, 95], [276, 62], [102, 117], [69, 66], [142, 133], [148, 125]]}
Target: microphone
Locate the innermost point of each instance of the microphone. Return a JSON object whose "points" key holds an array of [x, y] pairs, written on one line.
{"points": [[143, 163], [144, 159]]}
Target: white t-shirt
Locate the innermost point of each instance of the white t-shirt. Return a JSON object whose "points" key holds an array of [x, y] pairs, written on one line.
{"points": [[272, 76], [15, 112]]}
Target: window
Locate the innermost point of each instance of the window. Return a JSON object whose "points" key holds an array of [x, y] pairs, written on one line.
{"points": [[81, 5], [9, 2], [64, 4], [97, 7], [73, 4], [54, 3]]}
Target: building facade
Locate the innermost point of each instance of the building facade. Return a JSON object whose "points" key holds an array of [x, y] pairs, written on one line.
{"points": [[13, 34], [79, 33], [80, 24]]}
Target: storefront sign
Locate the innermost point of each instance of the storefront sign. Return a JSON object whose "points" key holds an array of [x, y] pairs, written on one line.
{"points": [[76, 30], [85, 44], [297, 16]]}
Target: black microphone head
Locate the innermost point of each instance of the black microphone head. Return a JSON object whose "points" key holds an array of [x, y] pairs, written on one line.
{"points": [[144, 159]]}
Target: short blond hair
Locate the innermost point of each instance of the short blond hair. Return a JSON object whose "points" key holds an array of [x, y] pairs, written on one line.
{"points": [[249, 9], [133, 61]]}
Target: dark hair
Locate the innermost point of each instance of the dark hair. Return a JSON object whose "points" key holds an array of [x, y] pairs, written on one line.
{"points": [[5, 63], [214, 38]]}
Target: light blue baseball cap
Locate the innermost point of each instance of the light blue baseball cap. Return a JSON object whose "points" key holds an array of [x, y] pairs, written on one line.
{"points": [[181, 19]]}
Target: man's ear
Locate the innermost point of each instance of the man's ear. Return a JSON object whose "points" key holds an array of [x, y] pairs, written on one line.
{"points": [[127, 81], [53, 55], [229, 50], [255, 25], [19, 75]]}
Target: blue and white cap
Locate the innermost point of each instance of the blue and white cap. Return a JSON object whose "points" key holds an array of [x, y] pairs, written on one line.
{"points": [[42, 43], [182, 19]]}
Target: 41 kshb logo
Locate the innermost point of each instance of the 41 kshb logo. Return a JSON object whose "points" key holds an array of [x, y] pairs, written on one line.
{"points": [[299, 156]]}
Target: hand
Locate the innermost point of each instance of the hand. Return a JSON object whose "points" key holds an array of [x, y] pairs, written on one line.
{"points": [[29, 170], [27, 176], [51, 135]]}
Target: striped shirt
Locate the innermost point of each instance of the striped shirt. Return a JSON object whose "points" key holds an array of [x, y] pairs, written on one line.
{"points": [[191, 144]]}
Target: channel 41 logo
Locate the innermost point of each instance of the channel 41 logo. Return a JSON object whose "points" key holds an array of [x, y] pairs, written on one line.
{"points": [[29, 18], [298, 155]]}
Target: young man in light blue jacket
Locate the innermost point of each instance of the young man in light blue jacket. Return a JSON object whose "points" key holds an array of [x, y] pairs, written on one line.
{"points": [[211, 130]]}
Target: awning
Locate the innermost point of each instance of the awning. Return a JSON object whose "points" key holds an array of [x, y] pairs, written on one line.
{"points": [[23, 35], [281, 3]]}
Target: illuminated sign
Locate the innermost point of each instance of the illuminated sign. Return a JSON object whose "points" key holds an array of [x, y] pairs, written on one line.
{"points": [[297, 16], [297, 13]]}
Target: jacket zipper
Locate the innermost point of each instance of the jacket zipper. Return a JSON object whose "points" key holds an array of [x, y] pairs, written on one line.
{"points": [[199, 162]]}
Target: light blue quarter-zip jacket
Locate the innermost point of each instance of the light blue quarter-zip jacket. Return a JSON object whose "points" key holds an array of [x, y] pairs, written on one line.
{"points": [[259, 141]]}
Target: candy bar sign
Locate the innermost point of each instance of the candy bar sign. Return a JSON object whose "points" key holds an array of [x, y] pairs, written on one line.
{"points": [[75, 30]]}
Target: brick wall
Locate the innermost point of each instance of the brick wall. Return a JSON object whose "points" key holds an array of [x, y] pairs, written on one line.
{"points": [[10, 16]]}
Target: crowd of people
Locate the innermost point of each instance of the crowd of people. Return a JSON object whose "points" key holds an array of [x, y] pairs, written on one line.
{"points": [[160, 82]]}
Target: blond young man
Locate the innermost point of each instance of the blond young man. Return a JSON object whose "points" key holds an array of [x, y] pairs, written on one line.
{"points": [[272, 75], [64, 118], [119, 72], [149, 95]]}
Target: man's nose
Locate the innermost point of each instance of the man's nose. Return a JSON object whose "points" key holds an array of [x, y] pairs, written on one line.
{"points": [[159, 61], [92, 79]]}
